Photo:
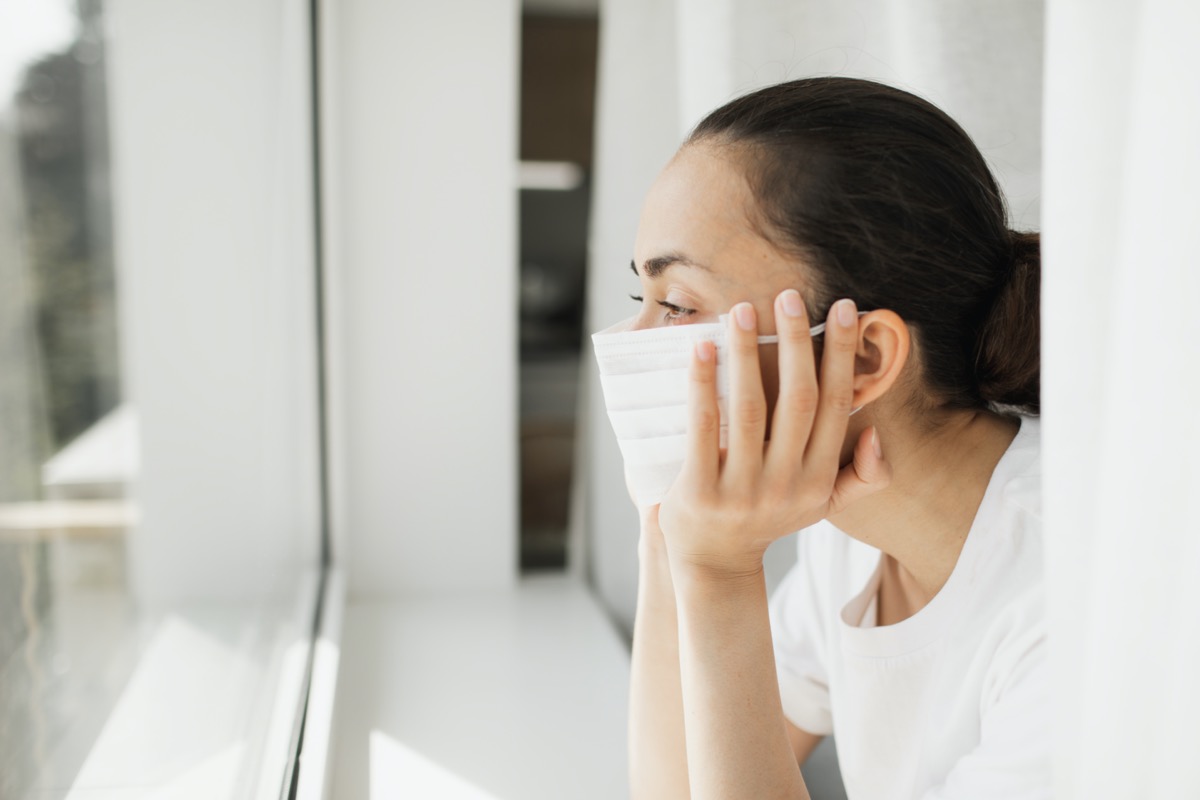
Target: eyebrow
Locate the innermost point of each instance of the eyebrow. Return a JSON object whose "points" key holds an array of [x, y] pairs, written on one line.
{"points": [[654, 267]]}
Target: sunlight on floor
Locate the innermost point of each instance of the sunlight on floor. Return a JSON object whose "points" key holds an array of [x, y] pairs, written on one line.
{"points": [[400, 771]]}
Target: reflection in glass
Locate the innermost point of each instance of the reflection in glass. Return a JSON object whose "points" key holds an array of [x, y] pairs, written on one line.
{"points": [[102, 687], [67, 448]]}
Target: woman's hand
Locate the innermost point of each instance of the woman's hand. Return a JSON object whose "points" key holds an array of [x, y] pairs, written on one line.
{"points": [[726, 508]]}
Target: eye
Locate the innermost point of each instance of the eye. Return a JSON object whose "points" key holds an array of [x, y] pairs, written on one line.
{"points": [[674, 312]]}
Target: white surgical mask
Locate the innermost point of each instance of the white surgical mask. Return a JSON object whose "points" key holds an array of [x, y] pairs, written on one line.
{"points": [[644, 377]]}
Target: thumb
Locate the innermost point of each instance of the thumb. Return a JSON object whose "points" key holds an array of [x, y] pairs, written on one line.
{"points": [[865, 475]]}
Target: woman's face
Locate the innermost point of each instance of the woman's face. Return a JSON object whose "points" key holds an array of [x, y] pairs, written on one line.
{"points": [[697, 252]]}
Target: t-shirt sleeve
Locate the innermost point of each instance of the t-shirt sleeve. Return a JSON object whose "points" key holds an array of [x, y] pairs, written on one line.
{"points": [[799, 632], [1013, 758]]}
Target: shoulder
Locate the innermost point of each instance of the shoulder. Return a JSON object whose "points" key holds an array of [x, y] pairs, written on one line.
{"points": [[1012, 754], [1009, 606], [1009, 521], [1005, 599], [1017, 640], [1021, 488]]}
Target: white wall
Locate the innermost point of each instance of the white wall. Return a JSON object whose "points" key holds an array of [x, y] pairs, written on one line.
{"points": [[210, 149], [421, 166], [981, 62], [636, 132]]}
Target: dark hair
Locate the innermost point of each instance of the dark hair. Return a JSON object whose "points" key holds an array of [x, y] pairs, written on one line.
{"points": [[890, 203]]}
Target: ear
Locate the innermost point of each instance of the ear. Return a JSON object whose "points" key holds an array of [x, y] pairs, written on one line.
{"points": [[883, 347]]}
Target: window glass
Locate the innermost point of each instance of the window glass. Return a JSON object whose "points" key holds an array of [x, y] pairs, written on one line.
{"points": [[159, 499]]}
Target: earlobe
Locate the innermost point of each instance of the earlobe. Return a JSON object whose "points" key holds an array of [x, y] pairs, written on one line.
{"points": [[883, 347]]}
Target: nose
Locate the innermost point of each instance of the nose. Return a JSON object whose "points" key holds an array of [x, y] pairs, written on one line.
{"points": [[638, 322], [643, 321]]}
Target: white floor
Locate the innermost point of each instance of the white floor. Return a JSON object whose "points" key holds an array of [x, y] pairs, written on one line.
{"points": [[495, 696]]}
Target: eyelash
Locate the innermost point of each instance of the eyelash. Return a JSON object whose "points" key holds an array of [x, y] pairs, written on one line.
{"points": [[674, 312]]}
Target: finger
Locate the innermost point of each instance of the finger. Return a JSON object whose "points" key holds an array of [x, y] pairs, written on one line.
{"points": [[865, 475], [798, 393], [704, 416], [837, 384], [747, 403]]}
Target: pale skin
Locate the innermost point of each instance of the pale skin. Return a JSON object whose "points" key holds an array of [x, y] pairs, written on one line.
{"points": [[706, 719]]}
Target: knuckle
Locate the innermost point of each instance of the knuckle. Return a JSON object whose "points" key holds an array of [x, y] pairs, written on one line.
{"points": [[745, 345], [800, 402], [805, 495], [844, 342], [841, 402], [744, 363], [706, 420], [752, 413], [795, 330], [708, 505], [737, 507]]}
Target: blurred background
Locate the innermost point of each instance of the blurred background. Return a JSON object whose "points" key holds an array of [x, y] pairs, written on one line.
{"points": [[306, 487]]}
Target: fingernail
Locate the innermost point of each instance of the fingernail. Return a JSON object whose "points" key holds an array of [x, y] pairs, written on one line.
{"points": [[875, 443], [790, 300], [846, 313], [704, 351], [743, 314]]}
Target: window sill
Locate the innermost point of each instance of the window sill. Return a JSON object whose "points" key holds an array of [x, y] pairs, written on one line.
{"points": [[491, 695]]}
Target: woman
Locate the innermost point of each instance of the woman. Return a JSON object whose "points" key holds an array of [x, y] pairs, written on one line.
{"points": [[900, 441]]}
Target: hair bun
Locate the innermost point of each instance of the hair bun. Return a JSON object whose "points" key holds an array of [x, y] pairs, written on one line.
{"points": [[1008, 350]]}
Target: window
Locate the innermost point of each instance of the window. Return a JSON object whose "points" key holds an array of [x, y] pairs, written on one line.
{"points": [[159, 459]]}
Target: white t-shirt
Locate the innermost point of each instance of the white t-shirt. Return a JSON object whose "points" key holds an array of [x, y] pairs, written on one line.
{"points": [[952, 702]]}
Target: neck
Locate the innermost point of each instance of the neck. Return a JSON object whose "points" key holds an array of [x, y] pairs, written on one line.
{"points": [[922, 519]]}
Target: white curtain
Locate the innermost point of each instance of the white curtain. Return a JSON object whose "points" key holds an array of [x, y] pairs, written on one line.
{"points": [[1121, 351]]}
